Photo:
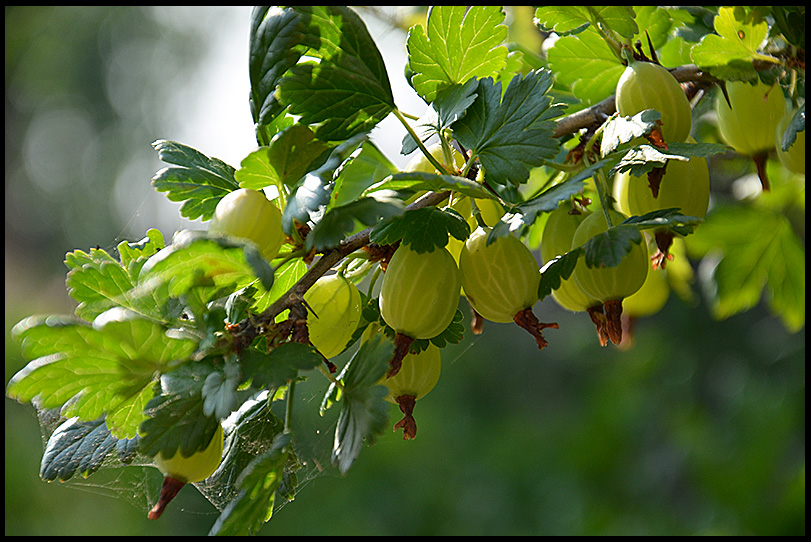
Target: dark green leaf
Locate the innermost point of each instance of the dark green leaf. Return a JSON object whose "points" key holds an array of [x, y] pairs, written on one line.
{"points": [[338, 222], [556, 270], [347, 91], [431, 182], [199, 181], [176, 422], [274, 49], [512, 135], [422, 229], [796, 124], [450, 105], [77, 446], [364, 412], [278, 367]]}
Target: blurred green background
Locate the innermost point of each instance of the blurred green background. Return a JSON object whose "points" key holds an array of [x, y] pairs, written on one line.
{"points": [[698, 429]]}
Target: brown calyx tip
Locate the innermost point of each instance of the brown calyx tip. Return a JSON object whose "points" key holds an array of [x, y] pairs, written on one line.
{"points": [[408, 424], [598, 317], [664, 240], [613, 316], [402, 343], [527, 320], [169, 489]]}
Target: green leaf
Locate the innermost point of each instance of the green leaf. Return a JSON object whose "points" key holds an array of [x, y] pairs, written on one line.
{"points": [[607, 249], [338, 222], [283, 162], [363, 415], [422, 229], [644, 158], [199, 181], [346, 91], [421, 181], [364, 167], [796, 124], [513, 135], [82, 447], [98, 282], [279, 366], [253, 506], [104, 369], [557, 270], [213, 263], [450, 105], [565, 20], [752, 251], [729, 53], [274, 49], [585, 65], [458, 44], [619, 130]]}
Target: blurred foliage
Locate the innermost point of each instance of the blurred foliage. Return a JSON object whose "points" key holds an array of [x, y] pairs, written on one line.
{"points": [[698, 429]]}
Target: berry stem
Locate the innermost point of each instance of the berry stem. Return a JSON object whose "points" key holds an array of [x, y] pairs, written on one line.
{"points": [[527, 320], [401, 345], [408, 424]]}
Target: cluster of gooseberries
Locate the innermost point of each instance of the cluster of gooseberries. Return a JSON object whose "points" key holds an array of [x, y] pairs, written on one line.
{"points": [[500, 277]]}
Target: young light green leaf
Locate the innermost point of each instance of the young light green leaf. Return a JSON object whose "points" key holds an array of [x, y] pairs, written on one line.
{"points": [[198, 180], [104, 369], [197, 260], [567, 20], [619, 130], [283, 162], [730, 52], [458, 44], [346, 91], [512, 135], [364, 167], [751, 250], [585, 65]]}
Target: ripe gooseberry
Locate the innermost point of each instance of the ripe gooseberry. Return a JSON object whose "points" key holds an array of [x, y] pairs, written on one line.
{"points": [[417, 376], [684, 185], [610, 284], [336, 308], [500, 280], [179, 470], [248, 214], [645, 85], [418, 297], [749, 125]]}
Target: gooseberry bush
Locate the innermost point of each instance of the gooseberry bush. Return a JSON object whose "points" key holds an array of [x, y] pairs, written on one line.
{"points": [[318, 259]]}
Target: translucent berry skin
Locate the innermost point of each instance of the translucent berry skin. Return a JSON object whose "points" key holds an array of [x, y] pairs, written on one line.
{"points": [[336, 305], [749, 126], [644, 85], [650, 298], [501, 279], [686, 185], [609, 283], [196, 467], [248, 214], [793, 159], [420, 292], [417, 376], [557, 240]]}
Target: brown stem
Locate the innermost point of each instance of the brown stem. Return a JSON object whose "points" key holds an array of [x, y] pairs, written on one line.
{"points": [[527, 320], [613, 316], [477, 322], [760, 163], [408, 424], [169, 489], [401, 345]]}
